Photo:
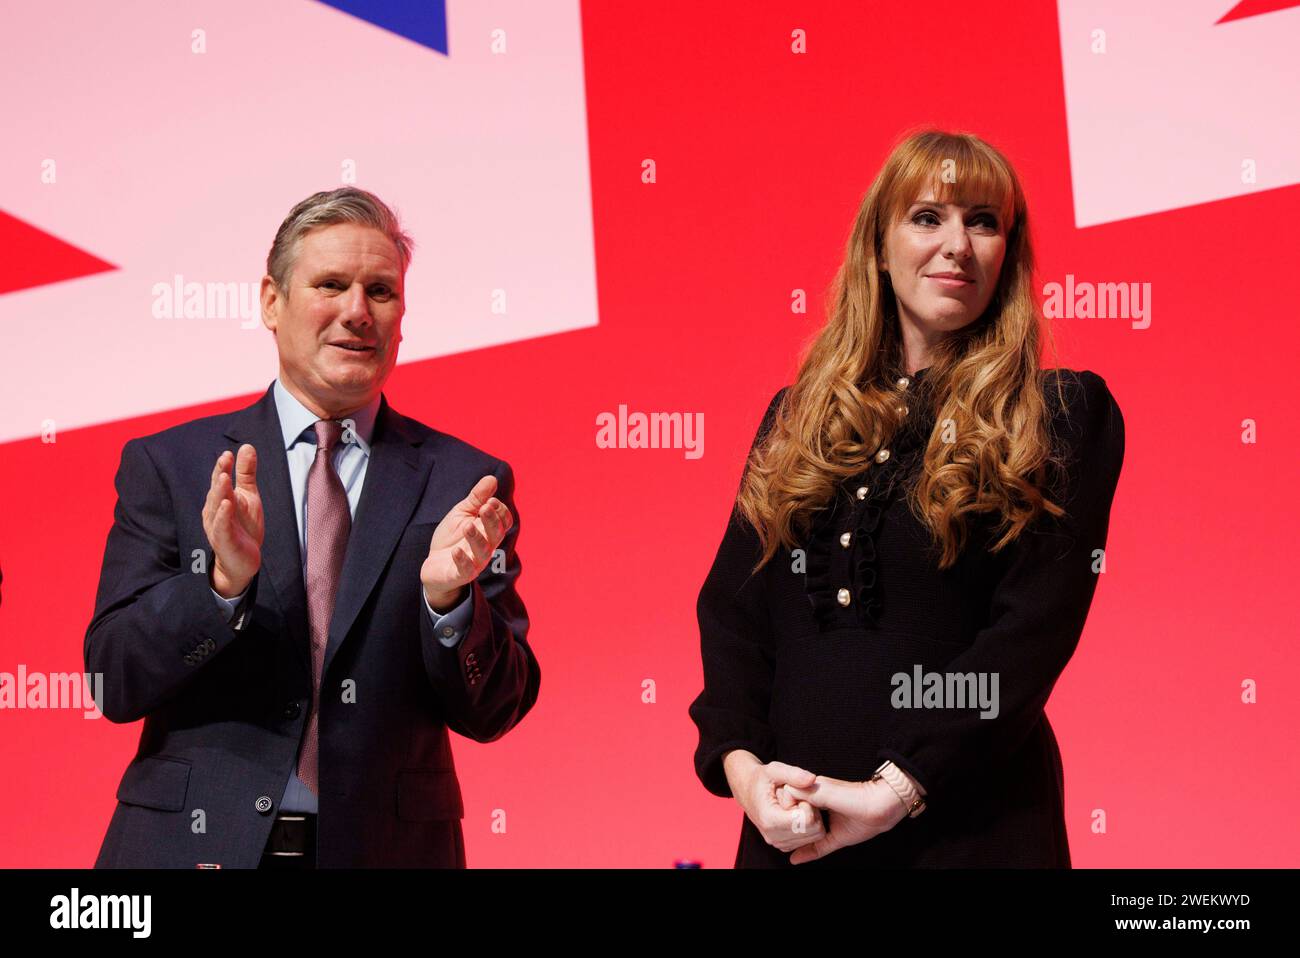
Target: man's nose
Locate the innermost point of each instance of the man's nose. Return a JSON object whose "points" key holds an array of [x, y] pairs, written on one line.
{"points": [[356, 307]]}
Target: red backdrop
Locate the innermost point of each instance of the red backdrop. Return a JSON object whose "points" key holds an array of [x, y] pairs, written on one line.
{"points": [[762, 159]]}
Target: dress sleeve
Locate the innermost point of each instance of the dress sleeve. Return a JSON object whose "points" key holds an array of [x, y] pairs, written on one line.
{"points": [[1037, 613], [735, 644]]}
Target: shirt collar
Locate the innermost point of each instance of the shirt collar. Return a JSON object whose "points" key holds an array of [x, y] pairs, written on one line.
{"points": [[295, 418]]}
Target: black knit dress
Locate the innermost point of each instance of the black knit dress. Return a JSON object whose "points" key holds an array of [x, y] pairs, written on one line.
{"points": [[801, 659]]}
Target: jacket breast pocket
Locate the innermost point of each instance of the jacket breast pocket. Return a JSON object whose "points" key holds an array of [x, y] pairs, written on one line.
{"points": [[155, 782], [428, 796]]}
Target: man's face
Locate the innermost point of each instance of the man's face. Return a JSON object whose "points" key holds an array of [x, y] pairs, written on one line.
{"points": [[346, 288]]}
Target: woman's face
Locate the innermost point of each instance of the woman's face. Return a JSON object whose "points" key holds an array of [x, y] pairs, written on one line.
{"points": [[934, 239]]}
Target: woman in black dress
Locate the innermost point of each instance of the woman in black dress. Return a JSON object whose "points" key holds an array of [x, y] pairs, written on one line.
{"points": [[913, 551]]}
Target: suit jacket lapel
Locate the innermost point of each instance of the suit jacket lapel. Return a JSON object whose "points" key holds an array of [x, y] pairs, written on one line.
{"points": [[396, 474], [259, 425]]}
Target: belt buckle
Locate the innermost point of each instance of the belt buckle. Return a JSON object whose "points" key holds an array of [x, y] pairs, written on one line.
{"points": [[299, 833]]}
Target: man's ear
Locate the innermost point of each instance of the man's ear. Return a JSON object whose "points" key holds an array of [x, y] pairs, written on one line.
{"points": [[270, 298]]}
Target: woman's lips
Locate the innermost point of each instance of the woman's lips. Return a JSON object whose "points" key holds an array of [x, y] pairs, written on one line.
{"points": [[951, 283]]}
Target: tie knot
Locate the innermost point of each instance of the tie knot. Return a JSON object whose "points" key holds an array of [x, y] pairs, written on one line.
{"points": [[327, 434]]}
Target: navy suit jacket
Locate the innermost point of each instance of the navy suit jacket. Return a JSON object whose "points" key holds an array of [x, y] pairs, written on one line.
{"points": [[224, 710]]}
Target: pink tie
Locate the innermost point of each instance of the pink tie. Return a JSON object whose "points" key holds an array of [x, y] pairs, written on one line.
{"points": [[328, 524]]}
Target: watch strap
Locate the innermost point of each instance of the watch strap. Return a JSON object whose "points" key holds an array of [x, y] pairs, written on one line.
{"points": [[907, 793]]}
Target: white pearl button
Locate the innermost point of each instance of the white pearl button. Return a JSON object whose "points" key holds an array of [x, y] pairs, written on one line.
{"points": [[842, 596], [903, 382], [882, 455], [846, 539], [862, 492]]}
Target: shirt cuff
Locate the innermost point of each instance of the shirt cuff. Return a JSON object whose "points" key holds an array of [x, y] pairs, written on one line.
{"points": [[229, 606], [450, 627]]}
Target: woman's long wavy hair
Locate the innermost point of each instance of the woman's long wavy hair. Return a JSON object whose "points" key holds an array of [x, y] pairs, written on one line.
{"points": [[990, 450]]}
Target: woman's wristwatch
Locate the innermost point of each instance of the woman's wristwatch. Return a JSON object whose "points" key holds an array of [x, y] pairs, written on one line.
{"points": [[892, 776]]}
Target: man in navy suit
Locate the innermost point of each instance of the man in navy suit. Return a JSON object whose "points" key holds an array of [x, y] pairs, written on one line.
{"points": [[298, 632]]}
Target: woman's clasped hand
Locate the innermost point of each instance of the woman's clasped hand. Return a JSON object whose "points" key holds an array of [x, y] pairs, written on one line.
{"points": [[858, 811], [785, 804]]}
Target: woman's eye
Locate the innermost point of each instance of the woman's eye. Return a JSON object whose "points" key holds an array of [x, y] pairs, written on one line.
{"points": [[986, 218]]}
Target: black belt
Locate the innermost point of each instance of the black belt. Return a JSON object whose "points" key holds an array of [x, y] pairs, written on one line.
{"points": [[292, 842]]}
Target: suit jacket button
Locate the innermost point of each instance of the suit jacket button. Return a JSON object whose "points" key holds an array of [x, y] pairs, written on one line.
{"points": [[263, 804], [292, 710]]}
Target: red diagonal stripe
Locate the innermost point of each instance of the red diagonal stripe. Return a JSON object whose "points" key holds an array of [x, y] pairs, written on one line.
{"points": [[1253, 8], [32, 257]]}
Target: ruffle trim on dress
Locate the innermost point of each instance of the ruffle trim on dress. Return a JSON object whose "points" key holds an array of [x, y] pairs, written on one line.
{"points": [[855, 570], [864, 548], [831, 567], [819, 581]]}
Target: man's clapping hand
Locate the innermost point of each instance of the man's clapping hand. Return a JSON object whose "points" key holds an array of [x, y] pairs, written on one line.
{"points": [[463, 543], [233, 522]]}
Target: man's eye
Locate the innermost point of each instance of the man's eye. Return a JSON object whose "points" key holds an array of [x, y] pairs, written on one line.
{"points": [[331, 284], [380, 292]]}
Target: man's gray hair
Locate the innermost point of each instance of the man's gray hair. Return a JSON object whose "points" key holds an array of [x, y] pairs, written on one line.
{"points": [[348, 204]]}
